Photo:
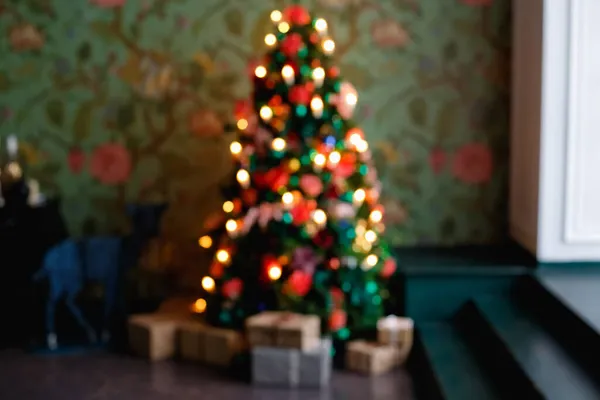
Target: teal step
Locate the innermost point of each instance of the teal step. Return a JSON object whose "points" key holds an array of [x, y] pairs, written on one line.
{"points": [[456, 370], [555, 374]]}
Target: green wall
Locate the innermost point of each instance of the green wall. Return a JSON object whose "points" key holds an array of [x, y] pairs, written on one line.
{"points": [[125, 100]]}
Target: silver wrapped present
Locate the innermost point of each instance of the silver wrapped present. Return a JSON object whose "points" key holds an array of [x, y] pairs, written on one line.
{"points": [[289, 367], [275, 366], [315, 365]]}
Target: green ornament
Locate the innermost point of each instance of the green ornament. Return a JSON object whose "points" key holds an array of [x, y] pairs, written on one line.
{"points": [[305, 70], [343, 334], [303, 52], [301, 110], [371, 287], [287, 218], [294, 180], [305, 160], [363, 169], [376, 300]]}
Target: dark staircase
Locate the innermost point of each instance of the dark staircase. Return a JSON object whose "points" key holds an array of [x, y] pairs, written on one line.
{"points": [[541, 340]]}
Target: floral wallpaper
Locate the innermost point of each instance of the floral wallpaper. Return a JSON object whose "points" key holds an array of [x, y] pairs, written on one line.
{"points": [[129, 100]]}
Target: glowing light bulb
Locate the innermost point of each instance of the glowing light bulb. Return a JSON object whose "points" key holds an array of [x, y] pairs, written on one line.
{"points": [[270, 40], [328, 46], [276, 16], [283, 27], [294, 165], [362, 146], [208, 284], [278, 144], [351, 99], [321, 26], [274, 272], [228, 206], [287, 198], [371, 260], [235, 148], [370, 236], [243, 177], [316, 106], [205, 242], [288, 75], [335, 157], [199, 306], [319, 161], [319, 217], [266, 113], [222, 256], [359, 196], [242, 124], [231, 225], [260, 71], [318, 76], [376, 216]]}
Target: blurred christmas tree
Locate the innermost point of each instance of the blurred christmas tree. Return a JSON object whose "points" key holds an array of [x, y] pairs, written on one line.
{"points": [[303, 220]]}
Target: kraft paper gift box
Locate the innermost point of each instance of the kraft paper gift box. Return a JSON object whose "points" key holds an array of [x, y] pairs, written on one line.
{"points": [[289, 367], [153, 335], [221, 345], [371, 358], [283, 329], [397, 331], [191, 340]]}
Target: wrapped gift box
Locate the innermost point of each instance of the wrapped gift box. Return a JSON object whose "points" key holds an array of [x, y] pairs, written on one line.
{"points": [[153, 335], [200, 342], [371, 358], [191, 340], [221, 345], [396, 331], [283, 329], [275, 366], [316, 365], [289, 367]]}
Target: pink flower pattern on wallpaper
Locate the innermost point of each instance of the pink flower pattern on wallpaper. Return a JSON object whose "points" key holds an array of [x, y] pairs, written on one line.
{"points": [[76, 160], [389, 33], [25, 37], [111, 164], [108, 3], [437, 160], [473, 163]]}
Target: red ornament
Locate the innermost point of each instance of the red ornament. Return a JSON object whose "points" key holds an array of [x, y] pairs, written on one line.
{"points": [[275, 178], [216, 270], [334, 263], [299, 283], [389, 267], [296, 15], [301, 212], [346, 166], [232, 288], [337, 297], [334, 72], [323, 239], [337, 320], [291, 45], [300, 95]]}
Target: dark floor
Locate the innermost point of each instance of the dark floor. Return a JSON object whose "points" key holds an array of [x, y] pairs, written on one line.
{"points": [[106, 376]]}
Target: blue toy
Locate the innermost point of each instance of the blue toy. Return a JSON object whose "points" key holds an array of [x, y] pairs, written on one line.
{"points": [[71, 263]]}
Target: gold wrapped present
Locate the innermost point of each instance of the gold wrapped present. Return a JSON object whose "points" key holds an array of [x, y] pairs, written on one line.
{"points": [[191, 340], [284, 329], [220, 345], [371, 358], [153, 335], [396, 331]]}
